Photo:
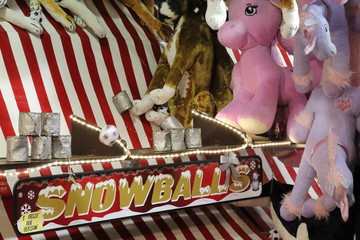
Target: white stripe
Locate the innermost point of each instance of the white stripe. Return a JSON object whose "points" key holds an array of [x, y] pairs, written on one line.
{"points": [[264, 216], [63, 234], [190, 224], [97, 166], [11, 180], [154, 228], [8, 95], [241, 223], [6, 228], [172, 226], [87, 232], [48, 81], [283, 171], [3, 149], [266, 166], [224, 223]]}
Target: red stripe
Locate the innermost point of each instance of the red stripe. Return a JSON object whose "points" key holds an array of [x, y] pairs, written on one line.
{"points": [[5, 123], [76, 78], [236, 54], [284, 55], [58, 82], [248, 222], [199, 224], [164, 227], [87, 167], [257, 219], [237, 228], [143, 162], [182, 225], [107, 166], [129, 72], [154, 43], [277, 174], [51, 235], [122, 230], [75, 234], [139, 46], [160, 161], [219, 227], [99, 232], [144, 229], [13, 72]]}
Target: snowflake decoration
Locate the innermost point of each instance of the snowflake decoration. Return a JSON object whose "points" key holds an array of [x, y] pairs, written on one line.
{"points": [[31, 194], [252, 165], [20, 195], [26, 208]]}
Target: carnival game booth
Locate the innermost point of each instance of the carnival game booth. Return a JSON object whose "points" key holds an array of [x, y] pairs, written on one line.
{"points": [[68, 80]]}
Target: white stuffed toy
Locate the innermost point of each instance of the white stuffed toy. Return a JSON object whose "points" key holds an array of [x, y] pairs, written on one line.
{"points": [[20, 20], [82, 14]]}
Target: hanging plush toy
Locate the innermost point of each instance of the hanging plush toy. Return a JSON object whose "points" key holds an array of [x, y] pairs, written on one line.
{"points": [[328, 126], [184, 76], [145, 10], [216, 16], [323, 31], [84, 17], [20, 20], [259, 85]]}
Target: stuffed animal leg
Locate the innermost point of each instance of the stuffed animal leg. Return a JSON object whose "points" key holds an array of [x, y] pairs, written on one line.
{"points": [[56, 12], [83, 16], [159, 28], [19, 20], [215, 13]]}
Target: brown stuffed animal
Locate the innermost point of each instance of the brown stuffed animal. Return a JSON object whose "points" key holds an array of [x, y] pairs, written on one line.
{"points": [[145, 10], [184, 76]]}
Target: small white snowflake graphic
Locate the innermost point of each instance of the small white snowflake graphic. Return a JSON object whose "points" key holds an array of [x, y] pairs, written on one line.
{"points": [[31, 194], [26, 208], [252, 165], [20, 195]]}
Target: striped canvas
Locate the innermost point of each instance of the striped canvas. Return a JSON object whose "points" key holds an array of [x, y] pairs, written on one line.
{"points": [[76, 73]]}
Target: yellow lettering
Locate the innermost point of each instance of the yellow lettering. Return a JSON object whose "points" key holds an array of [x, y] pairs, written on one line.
{"points": [[79, 198], [162, 188], [199, 191], [241, 183], [51, 206], [216, 188], [183, 188], [137, 191], [103, 196]]}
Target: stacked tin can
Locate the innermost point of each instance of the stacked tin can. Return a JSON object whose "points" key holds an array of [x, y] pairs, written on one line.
{"points": [[46, 142]]}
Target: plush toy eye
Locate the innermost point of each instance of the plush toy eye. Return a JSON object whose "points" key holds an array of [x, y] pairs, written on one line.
{"points": [[326, 29], [251, 10]]}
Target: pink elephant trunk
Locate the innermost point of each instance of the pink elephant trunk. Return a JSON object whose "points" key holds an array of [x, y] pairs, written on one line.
{"points": [[233, 34]]}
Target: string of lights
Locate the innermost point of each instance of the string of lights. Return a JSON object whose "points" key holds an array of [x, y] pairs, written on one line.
{"points": [[221, 150]]}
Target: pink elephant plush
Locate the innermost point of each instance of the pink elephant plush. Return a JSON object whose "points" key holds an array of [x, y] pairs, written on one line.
{"points": [[259, 85]]}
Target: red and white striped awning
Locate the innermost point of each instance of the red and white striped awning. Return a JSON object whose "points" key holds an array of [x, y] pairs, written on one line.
{"points": [[77, 73]]}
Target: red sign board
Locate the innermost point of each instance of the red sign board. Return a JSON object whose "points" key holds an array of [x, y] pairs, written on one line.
{"points": [[55, 202]]}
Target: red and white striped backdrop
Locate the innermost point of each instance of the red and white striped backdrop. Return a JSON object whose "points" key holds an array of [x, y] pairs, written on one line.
{"points": [[76, 73]]}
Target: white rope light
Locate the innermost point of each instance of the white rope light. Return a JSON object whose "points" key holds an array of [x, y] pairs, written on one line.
{"points": [[224, 149]]}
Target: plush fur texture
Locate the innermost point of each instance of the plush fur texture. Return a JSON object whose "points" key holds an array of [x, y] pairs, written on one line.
{"points": [[259, 84], [145, 10], [326, 35], [216, 15], [329, 151], [187, 71], [18, 19]]}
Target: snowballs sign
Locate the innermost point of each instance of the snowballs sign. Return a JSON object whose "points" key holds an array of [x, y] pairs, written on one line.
{"points": [[55, 202]]}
